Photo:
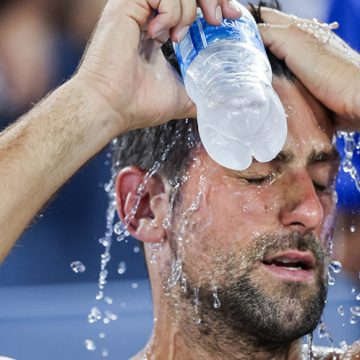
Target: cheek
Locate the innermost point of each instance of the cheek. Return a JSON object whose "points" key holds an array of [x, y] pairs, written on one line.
{"points": [[233, 215], [327, 226]]}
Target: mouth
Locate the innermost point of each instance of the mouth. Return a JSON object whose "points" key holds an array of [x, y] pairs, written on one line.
{"points": [[291, 265]]}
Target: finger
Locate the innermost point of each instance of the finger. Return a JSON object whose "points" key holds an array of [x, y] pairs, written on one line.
{"points": [[169, 13], [188, 16], [275, 38], [231, 9], [212, 11]]}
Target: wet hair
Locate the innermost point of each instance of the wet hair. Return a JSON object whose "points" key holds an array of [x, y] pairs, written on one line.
{"points": [[175, 139]]}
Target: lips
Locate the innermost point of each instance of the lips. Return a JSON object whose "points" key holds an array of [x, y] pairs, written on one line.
{"points": [[291, 265]]}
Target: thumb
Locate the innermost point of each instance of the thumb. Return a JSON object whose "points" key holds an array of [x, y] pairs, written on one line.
{"points": [[187, 108]]}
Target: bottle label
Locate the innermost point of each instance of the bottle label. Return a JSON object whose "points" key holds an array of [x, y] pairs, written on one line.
{"points": [[201, 35]]}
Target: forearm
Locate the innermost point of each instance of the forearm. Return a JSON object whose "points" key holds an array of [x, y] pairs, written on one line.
{"points": [[43, 149]]}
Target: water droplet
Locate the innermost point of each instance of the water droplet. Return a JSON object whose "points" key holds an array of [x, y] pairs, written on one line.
{"points": [[105, 352], [355, 310], [121, 238], [104, 241], [122, 267], [102, 335], [358, 296], [353, 320], [94, 315], [108, 300], [77, 267], [105, 258], [341, 310], [176, 270], [353, 290], [335, 266], [136, 249], [331, 280], [352, 228], [119, 228], [155, 251], [322, 330], [217, 302], [103, 274], [90, 345], [109, 316], [134, 285]]}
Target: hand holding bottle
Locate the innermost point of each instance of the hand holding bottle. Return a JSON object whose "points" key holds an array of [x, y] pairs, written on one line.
{"points": [[325, 64]]}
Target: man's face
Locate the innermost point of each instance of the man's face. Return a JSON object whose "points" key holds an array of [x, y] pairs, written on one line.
{"points": [[257, 241]]}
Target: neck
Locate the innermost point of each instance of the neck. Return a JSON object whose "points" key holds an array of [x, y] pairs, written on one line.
{"points": [[177, 339]]}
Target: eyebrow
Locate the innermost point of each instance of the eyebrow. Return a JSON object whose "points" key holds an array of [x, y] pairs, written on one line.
{"points": [[331, 155]]}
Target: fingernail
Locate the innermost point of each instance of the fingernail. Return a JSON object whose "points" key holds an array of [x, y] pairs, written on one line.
{"points": [[182, 33], [234, 6], [218, 14]]}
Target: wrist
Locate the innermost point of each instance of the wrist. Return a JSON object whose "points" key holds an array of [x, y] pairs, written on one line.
{"points": [[105, 122]]}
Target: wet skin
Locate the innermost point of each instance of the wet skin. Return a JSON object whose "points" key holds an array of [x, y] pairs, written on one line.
{"points": [[293, 193]]}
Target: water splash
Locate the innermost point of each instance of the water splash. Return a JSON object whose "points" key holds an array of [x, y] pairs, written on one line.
{"points": [[321, 31], [106, 240], [176, 270], [347, 164], [324, 333], [77, 267], [94, 315], [344, 345], [310, 354]]}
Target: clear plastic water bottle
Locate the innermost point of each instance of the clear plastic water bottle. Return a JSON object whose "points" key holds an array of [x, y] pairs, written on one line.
{"points": [[228, 76]]}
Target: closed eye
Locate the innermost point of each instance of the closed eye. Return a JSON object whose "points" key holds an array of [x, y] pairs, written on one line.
{"points": [[260, 180]]}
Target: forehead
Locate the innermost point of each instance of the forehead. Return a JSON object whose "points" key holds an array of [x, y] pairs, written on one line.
{"points": [[310, 125]]}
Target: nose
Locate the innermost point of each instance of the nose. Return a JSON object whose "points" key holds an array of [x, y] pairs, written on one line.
{"points": [[302, 210]]}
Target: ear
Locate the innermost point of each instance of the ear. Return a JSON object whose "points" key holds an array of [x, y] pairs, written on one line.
{"points": [[144, 211]]}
